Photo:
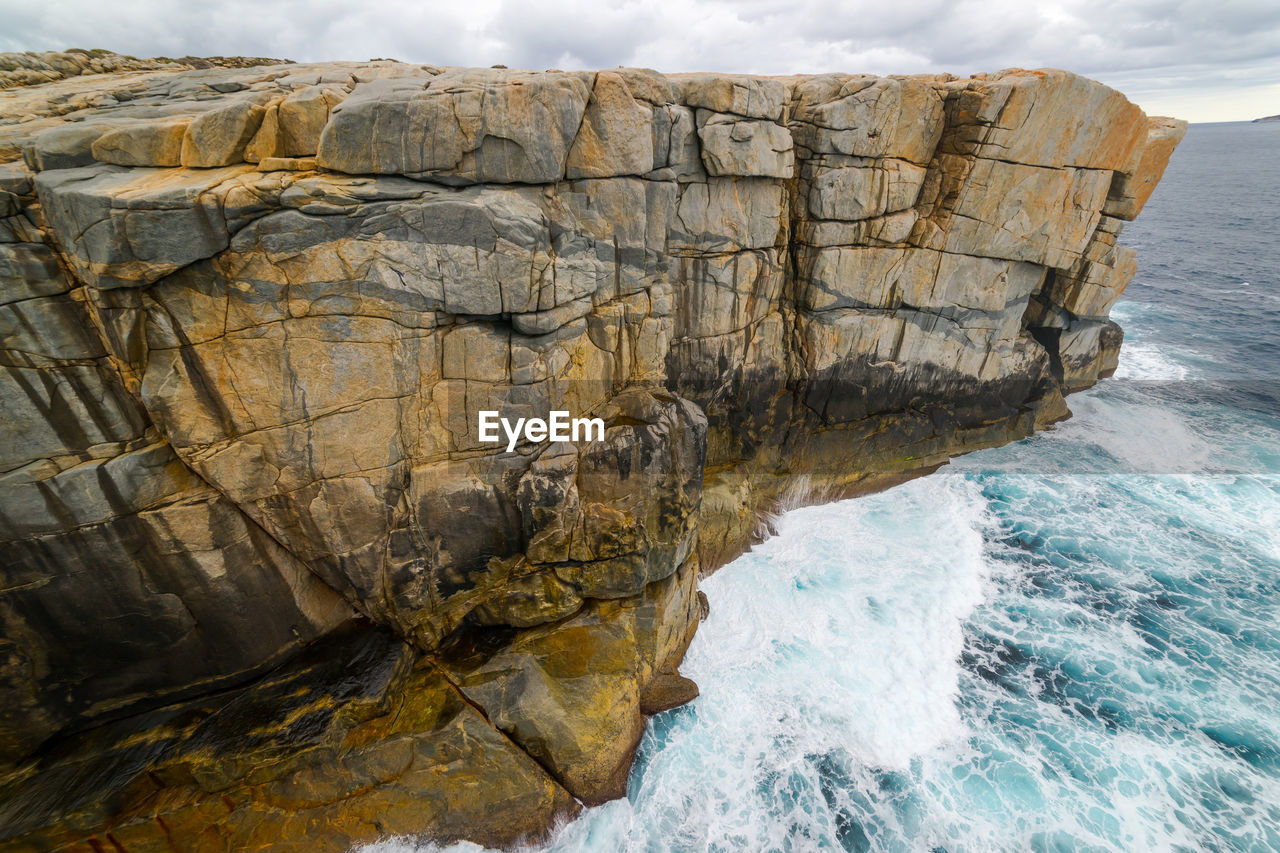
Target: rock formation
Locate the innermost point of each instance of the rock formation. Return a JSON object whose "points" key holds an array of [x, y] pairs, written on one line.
{"points": [[262, 581], [32, 68]]}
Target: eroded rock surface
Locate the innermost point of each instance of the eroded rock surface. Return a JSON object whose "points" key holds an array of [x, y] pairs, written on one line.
{"points": [[263, 583]]}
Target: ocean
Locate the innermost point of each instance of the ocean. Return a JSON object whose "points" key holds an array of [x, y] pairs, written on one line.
{"points": [[1071, 643]]}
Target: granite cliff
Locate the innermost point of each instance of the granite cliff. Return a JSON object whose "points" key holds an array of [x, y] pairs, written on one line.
{"points": [[262, 582]]}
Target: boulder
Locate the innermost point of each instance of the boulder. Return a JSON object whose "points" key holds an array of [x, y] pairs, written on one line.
{"points": [[149, 143], [218, 137], [750, 148], [469, 126], [749, 97], [617, 133]]}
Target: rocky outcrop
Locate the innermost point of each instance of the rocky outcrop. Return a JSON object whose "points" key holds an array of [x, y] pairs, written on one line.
{"points": [[35, 67], [264, 582]]}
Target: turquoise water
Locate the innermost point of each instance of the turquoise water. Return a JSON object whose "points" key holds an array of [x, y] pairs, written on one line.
{"points": [[1068, 644]]}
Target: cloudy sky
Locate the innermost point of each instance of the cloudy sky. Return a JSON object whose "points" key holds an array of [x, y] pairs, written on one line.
{"points": [[1204, 60]]}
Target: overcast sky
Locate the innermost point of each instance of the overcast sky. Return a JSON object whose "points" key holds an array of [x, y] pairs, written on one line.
{"points": [[1204, 60]]}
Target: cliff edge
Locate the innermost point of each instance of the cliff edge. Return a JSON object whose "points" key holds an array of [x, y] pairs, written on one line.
{"points": [[263, 580]]}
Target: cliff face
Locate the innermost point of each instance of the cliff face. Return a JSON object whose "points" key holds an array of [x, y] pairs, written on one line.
{"points": [[250, 318]]}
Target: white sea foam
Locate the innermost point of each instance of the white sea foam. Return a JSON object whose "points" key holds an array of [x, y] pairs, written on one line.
{"points": [[851, 601], [1146, 438], [1158, 624], [1143, 361]]}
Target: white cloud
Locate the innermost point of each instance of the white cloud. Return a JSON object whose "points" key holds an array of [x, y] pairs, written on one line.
{"points": [[1202, 59]]}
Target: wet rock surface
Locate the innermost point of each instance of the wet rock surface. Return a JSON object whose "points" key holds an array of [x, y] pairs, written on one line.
{"points": [[263, 582]]}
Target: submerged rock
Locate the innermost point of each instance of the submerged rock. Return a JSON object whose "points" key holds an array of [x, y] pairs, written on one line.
{"points": [[263, 582]]}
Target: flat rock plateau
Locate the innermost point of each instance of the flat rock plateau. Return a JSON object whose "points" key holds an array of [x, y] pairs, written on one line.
{"points": [[261, 583]]}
